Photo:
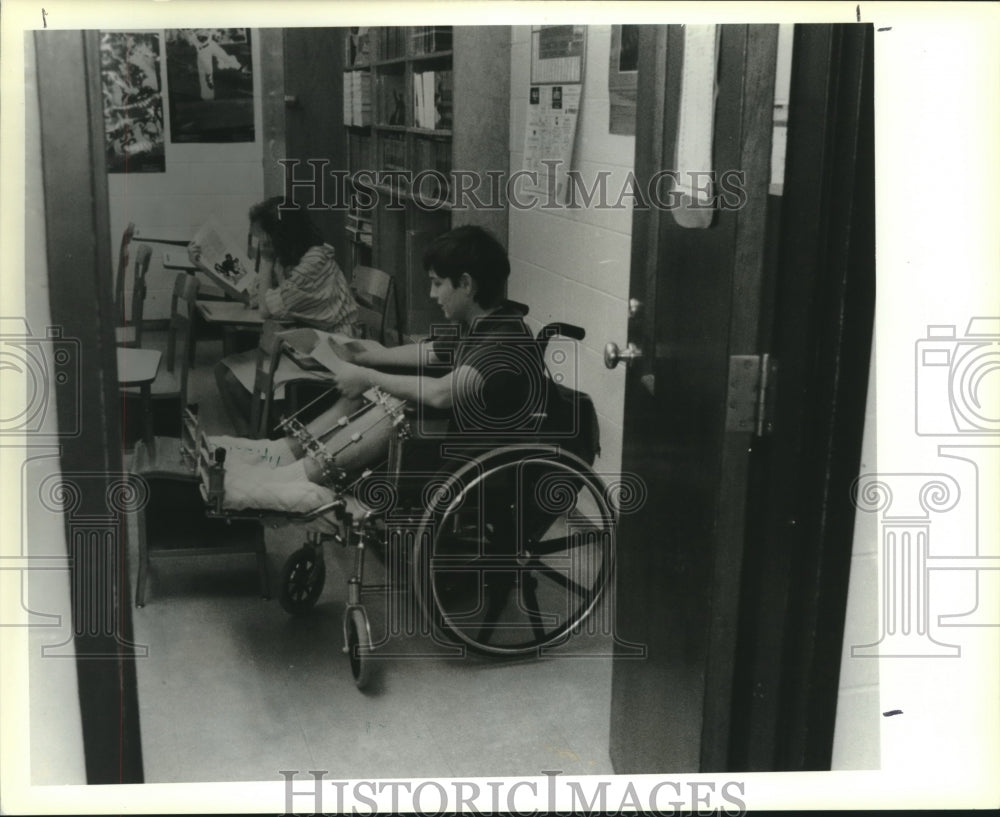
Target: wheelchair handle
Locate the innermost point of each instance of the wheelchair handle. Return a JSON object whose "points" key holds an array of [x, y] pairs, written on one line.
{"points": [[567, 330]]}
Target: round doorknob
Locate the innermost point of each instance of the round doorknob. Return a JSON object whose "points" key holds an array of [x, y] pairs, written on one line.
{"points": [[613, 355]]}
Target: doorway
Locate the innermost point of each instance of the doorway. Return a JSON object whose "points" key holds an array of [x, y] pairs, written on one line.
{"points": [[744, 412]]}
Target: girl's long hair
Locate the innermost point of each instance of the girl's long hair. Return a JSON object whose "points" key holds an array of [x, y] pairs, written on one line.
{"points": [[291, 231]]}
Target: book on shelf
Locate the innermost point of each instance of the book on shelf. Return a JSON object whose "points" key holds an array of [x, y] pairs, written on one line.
{"points": [[357, 98], [361, 98], [392, 44], [361, 218], [418, 100], [432, 154], [432, 100], [224, 260], [359, 226], [393, 151], [359, 47], [359, 236], [430, 40], [443, 105], [391, 99], [359, 148]]}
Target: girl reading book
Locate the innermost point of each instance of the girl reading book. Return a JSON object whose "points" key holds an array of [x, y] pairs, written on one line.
{"points": [[299, 281]]}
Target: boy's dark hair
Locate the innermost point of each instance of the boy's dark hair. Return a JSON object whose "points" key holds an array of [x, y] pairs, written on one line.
{"points": [[291, 231], [476, 251]]}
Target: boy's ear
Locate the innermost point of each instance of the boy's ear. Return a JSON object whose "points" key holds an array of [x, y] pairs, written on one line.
{"points": [[465, 282]]}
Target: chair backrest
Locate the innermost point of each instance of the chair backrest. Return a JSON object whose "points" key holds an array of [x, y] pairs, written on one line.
{"points": [[268, 357], [378, 312], [143, 254], [122, 271], [181, 333]]}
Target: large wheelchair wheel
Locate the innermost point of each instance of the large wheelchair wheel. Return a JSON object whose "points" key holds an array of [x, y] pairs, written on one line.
{"points": [[515, 549], [302, 580]]}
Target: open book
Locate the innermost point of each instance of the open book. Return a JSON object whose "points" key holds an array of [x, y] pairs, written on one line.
{"points": [[224, 260]]}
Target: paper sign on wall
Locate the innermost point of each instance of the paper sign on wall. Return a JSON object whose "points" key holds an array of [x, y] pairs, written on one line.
{"points": [[549, 137]]}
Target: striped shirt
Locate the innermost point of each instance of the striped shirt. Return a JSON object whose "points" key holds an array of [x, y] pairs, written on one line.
{"points": [[314, 292]]}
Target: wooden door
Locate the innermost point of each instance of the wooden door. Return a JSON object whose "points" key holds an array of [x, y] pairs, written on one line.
{"points": [[708, 305], [314, 125]]}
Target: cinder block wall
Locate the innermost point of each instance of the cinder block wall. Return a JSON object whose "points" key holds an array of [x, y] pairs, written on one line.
{"points": [[573, 265]]}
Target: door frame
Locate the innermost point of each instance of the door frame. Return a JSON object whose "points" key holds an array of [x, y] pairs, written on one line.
{"points": [[75, 186], [794, 589]]}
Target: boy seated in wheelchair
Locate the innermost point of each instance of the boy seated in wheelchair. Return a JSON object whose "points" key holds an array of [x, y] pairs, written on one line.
{"points": [[496, 382]]}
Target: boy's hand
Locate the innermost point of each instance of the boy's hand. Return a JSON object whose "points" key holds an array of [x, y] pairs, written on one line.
{"points": [[351, 380]]}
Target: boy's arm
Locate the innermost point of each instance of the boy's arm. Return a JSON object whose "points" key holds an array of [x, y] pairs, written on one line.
{"points": [[436, 392], [409, 355]]}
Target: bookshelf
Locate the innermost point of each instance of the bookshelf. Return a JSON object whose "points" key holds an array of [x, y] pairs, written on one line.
{"points": [[422, 101]]}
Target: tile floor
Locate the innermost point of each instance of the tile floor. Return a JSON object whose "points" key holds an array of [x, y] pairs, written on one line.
{"points": [[234, 689]]}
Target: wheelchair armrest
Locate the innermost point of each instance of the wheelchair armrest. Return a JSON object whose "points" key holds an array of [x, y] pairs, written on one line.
{"points": [[427, 422]]}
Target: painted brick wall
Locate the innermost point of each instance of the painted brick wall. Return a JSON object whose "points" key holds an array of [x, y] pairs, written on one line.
{"points": [[573, 265]]}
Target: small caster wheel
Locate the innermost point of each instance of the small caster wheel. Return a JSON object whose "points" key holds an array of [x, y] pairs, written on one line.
{"points": [[302, 579], [358, 645]]}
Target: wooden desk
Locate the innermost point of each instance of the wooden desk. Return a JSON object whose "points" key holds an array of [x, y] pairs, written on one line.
{"points": [[138, 367], [177, 259], [230, 313], [231, 316]]}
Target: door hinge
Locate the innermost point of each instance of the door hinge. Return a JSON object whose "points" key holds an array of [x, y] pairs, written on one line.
{"points": [[750, 394]]}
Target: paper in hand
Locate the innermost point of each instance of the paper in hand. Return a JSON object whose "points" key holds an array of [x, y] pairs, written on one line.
{"points": [[331, 354], [302, 340], [345, 342]]}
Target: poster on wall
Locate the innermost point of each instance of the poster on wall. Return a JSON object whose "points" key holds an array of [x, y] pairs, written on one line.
{"points": [[132, 100], [623, 77], [549, 136], [557, 53], [210, 85]]}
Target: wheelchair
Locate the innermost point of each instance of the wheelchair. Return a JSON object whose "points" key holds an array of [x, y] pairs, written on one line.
{"points": [[502, 545]]}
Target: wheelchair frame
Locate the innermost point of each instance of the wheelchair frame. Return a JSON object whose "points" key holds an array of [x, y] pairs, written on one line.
{"points": [[455, 500]]}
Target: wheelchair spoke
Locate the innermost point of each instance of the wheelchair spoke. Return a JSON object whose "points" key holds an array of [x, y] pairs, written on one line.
{"points": [[560, 578], [576, 540], [528, 586]]}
